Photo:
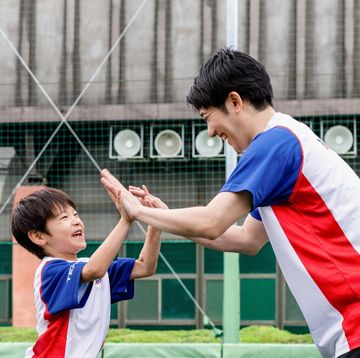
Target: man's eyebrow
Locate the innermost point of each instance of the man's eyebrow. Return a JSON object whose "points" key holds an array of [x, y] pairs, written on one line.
{"points": [[202, 113]]}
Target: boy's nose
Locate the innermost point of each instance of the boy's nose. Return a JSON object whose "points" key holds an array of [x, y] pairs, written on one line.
{"points": [[76, 221]]}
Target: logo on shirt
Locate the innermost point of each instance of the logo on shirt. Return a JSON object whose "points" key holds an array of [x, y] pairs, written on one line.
{"points": [[322, 142], [71, 270]]}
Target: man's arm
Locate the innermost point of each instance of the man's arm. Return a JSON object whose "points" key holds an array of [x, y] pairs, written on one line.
{"points": [[209, 221], [246, 239]]}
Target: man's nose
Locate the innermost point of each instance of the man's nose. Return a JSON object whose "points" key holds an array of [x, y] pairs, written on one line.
{"points": [[211, 132]]}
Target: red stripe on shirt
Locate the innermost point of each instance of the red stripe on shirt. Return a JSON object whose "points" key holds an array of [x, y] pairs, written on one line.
{"points": [[52, 343], [325, 252]]}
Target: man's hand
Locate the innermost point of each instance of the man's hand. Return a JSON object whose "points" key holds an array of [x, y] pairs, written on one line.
{"points": [[146, 198], [125, 202]]}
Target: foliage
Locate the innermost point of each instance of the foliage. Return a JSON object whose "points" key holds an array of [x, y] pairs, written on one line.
{"points": [[268, 334], [251, 334], [12, 334]]}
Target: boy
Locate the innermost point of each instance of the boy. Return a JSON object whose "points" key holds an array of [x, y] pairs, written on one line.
{"points": [[73, 296]]}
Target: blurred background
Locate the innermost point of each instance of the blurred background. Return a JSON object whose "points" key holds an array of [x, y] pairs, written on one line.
{"points": [[133, 119]]}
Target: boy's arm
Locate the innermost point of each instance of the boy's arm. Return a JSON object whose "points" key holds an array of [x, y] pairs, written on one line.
{"points": [[146, 264], [102, 258]]}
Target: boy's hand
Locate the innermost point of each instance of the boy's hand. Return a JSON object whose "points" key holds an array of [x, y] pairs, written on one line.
{"points": [[146, 198], [125, 202]]}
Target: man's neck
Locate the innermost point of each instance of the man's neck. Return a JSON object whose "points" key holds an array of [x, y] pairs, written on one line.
{"points": [[260, 119]]}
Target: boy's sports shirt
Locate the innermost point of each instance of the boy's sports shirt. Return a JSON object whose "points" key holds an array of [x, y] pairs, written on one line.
{"points": [[74, 317], [309, 201]]}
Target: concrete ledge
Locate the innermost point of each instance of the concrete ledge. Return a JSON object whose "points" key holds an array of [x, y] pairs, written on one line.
{"points": [[195, 350], [267, 350]]}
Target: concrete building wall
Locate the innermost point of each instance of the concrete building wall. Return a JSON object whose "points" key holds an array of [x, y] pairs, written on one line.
{"points": [[314, 42]]}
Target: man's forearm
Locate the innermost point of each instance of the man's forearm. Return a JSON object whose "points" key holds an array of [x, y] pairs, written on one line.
{"points": [[235, 239], [194, 221]]}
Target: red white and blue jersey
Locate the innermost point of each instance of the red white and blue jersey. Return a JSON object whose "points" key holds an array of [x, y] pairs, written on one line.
{"points": [[309, 201], [73, 316]]}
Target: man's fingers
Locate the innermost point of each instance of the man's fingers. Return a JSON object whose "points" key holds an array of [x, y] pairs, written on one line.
{"points": [[149, 203], [136, 191], [134, 187], [146, 191]]}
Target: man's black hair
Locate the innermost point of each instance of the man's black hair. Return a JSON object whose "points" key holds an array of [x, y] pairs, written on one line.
{"points": [[226, 71]]}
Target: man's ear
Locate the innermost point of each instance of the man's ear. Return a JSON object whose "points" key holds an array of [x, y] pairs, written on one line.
{"points": [[235, 100], [37, 237]]}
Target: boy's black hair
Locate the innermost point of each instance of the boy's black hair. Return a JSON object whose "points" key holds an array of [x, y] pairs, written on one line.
{"points": [[32, 213], [226, 71]]}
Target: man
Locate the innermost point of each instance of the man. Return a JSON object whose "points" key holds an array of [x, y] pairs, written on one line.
{"points": [[295, 191]]}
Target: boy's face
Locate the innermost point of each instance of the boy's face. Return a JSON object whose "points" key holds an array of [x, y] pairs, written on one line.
{"points": [[65, 235]]}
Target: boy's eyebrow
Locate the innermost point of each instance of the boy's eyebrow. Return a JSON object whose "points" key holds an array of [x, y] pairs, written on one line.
{"points": [[202, 113], [58, 214], [59, 210]]}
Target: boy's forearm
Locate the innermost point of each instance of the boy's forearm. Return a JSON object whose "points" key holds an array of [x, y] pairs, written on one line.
{"points": [[146, 264], [151, 248], [101, 259]]}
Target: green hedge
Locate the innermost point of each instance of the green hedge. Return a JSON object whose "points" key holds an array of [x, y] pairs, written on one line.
{"points": [[251, 334]]}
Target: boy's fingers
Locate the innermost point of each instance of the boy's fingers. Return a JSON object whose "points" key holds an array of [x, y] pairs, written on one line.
{"points": [[110, 190], [105, 174], [111, 194], [110, 186]]}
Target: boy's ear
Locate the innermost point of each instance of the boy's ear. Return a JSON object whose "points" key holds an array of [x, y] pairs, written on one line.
{"points": [[37, 237]]}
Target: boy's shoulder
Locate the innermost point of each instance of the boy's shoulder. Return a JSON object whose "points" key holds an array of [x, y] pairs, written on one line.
{"points": [[57, 262]]}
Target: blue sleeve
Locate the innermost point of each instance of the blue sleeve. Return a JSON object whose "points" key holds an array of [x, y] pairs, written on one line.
{"points": [[122, 288], [256, 214], [269, 168], [60, 285]]}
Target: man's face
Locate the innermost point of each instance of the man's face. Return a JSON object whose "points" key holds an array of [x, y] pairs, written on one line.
{"points": [[65, 235], [226, 123]]}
